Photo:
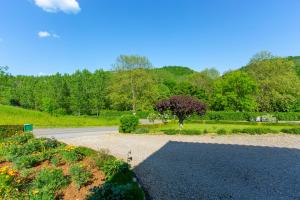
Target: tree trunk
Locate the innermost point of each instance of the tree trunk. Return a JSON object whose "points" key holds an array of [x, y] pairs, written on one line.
{"points": [[133, 94], [180, 119]]}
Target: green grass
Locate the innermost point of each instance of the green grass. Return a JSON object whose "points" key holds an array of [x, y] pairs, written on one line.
{"points": [[13, 115], [201, 127]]}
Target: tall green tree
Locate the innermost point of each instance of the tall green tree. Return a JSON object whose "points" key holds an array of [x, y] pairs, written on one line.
{"points": [[132, 64], [279, 85], [235, 91], [99, 90]]}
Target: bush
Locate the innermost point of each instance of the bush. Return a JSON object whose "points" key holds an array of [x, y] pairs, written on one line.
{"points": [[10, 130], [80, 176], [102, 157], [182, 132], [117, 171], [110, 191], [221, 131], [291, 131], [253, 131], [128, 123], [46, 183]]}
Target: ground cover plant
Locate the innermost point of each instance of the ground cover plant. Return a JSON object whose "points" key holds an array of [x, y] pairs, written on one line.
{"points": [[34, 169]]}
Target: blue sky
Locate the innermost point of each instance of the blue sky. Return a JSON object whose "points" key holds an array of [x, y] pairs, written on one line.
{"points": [[48, 36]]}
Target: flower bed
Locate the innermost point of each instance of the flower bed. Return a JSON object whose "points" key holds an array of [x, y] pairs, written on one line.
{"points": [[33, 169]]}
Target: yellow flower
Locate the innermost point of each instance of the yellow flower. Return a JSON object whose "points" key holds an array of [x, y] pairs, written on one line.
{"points": [[11, 172], [3, 169], [35, 191]]}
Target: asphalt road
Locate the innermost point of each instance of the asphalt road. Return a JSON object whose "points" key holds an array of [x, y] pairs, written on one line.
{"points": [[262, 167], [62, 133]]}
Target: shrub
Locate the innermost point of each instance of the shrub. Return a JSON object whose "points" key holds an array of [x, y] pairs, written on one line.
{"points": [[110, 191], [182, 132], [79, 175], [46, 183], [128, 123], [141, 130], [291, 131], [253, 131], [102, 157], [117, 171], [221, 131]]}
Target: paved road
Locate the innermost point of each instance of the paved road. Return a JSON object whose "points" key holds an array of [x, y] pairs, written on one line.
{"points": [[203, 167], [63, 133]]}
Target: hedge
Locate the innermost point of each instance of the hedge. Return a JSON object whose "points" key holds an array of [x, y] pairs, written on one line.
{"points": [[246, 116], [10, 130]]}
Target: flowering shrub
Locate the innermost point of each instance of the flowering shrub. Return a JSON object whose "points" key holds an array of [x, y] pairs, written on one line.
{"points": [[9, 182]]}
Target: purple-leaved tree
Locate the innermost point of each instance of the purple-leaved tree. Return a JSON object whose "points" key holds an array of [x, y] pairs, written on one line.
{"points": [[182, 107]]}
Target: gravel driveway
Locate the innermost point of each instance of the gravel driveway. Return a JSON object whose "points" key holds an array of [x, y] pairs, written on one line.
{"points": [[205, 167]]}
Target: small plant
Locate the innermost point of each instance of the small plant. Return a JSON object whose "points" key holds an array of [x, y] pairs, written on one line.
{"points": [[70, 154], [79, 175], [46, 183], [128, 123], [56, 161]]}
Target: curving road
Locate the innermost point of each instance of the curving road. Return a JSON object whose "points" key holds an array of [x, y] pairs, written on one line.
{"points": [[201, 167]]}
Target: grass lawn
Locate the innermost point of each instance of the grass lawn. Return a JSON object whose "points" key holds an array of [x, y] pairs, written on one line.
{"points": [[34, 169], [13, 115], [201, 127]]}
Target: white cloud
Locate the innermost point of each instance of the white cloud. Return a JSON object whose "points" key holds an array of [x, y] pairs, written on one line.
{"points": [[45, 34], [67, 6]]}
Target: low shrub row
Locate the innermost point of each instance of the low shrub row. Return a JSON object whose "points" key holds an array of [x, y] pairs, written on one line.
{"points": [[246, 116], [222, 131], [291, 130], [182, 132], [10, 130], [254, 131]]}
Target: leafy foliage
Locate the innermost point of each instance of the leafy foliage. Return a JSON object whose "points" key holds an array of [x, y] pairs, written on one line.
{"points": [[128, 123], [80, 175], [181, 106], [46, 183]]}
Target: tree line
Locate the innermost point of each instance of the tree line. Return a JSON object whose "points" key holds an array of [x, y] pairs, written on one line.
{"points": [[266, 84]]}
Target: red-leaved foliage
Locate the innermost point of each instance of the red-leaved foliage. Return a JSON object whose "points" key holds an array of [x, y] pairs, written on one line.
{"points": [[182, 106]]}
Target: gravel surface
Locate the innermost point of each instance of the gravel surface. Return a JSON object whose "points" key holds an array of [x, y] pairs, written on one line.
{"points": [[207, 167]]}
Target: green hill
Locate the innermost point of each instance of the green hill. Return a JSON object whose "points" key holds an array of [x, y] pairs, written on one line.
{"points": [[10, 115]]}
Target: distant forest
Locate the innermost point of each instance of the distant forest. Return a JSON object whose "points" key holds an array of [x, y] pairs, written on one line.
{"points": [[266, 84]]}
